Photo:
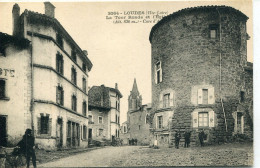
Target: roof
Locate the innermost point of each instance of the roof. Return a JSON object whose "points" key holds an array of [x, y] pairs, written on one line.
{"points": [[99, 96], [36, 17], [198, 8], [7, 39]]}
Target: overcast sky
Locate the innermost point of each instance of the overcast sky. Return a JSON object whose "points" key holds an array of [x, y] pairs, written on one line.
{"points": [[119, 52]]}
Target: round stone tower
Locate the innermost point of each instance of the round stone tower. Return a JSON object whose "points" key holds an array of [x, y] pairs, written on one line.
{"points": [[199, 57]]}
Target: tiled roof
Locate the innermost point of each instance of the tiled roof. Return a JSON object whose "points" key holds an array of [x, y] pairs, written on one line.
{"points": [[7, 39], [99, 96], [198, 8], [44, 19]]}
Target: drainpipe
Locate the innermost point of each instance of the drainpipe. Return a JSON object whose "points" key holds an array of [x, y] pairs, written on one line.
{"points": [[32, 82], [220, 66]]}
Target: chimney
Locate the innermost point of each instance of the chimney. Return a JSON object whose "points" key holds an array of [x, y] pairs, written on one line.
{"points": [[85, 52], [16, 16], [49, 9], [116, 86]]}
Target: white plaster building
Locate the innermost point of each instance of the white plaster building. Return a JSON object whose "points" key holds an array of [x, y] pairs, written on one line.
{"points": [[46, 87]]}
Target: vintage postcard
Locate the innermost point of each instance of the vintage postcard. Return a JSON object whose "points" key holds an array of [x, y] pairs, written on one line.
{"points": [[126, 84]]}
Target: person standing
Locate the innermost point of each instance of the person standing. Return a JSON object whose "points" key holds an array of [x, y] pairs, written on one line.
{"points": [[201, 137], [177, 139], [27, 147], [187, 135]]}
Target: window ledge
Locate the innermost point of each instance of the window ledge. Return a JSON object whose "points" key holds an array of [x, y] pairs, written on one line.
{"points": [[45, 136], [5, 98]]}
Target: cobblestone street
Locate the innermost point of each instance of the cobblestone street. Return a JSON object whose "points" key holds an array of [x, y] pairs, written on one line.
{"points": [[221, 155]]}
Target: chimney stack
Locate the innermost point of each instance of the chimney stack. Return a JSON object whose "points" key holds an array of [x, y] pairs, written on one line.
{"points": [[16, 16], [85, 52], [49, 9]]}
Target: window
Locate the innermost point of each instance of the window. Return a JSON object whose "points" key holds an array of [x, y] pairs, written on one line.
{"points": [[100, 120], [84, 132], [44, 124], [84, 67], [100, 132], [203, 119], [139, 127], [240, 123], [84, 108], [73, 76], [90, 119], [125, 129], [242, 96], [116, 118], [74, 55], [59, 63], [158, 72], [205, 96], [74, 103], [84, 85], [166, 100], [159, 121], [59, 95], [59, 40], [2, 88], [213, 31]]}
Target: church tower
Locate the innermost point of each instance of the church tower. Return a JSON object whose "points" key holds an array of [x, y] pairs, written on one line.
{"points": [[134, 99]]}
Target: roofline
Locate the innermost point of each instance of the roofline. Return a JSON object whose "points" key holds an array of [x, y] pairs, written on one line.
{"points": [[185, 10], [58, 25]]}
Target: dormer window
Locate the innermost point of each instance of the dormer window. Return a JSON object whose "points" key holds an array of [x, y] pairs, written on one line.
{"points": [[59, 40]]}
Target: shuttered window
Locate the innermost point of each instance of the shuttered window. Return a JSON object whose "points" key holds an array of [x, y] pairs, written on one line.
{"points": [[2, 88], [59, 95], [59, 63], [84, 84], [73, 76], [84, 108], [205, 96], [44, 125], [74, 103]]}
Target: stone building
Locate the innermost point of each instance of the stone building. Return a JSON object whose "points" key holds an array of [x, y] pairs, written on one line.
{"points": [[200, 75], [137, 125], [104, 113], [43, 79]]}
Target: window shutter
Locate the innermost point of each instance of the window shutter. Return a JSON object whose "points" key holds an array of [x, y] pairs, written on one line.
{"points": [[211, 119], [242, 124], [57, 92], [38, 125], [62, 97], [195, 120], [155, 74], [161, 101], [171, 99], [200, 96], [160, 71], [49, 127], [211, 97]]}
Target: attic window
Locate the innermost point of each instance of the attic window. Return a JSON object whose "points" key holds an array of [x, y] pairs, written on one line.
{"points": [[59, 40]]}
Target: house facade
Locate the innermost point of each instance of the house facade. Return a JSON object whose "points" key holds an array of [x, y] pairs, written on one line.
{"points": [[52, 91], [200, 75], [104, 113]]}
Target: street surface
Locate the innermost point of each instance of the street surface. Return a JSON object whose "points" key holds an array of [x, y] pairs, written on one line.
{"points": [[220, 155]]}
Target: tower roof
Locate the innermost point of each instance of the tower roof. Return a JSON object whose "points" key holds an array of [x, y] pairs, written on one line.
{"points": [[134, 91]]}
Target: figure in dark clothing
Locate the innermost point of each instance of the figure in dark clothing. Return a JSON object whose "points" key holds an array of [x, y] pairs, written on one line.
{"points": [[201, 137], [27, 147], [177, 139], [187, 139]]}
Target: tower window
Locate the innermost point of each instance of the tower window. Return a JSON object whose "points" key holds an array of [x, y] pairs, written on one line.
{"points": [[213, 31], [242, 96], [158, 72]]}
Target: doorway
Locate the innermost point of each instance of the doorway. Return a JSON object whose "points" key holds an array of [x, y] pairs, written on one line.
{"points": [[59, 133], [3, 131], [89, 133]]}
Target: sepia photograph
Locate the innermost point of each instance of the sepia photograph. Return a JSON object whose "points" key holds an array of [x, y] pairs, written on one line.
{"points": [[127, 84]]}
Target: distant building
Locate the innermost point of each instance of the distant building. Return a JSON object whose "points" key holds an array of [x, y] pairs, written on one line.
{"points": [[104, 113], [200, 75], [43, 81], [137, 125]]}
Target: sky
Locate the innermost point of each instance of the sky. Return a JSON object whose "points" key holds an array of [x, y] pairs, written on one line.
{"points": [[119, 52]]}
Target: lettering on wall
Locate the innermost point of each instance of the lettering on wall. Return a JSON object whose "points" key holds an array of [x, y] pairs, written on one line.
{"points": [[7, 72]]}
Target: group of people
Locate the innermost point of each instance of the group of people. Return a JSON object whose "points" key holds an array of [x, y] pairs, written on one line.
{"points": [[187, 136]]}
